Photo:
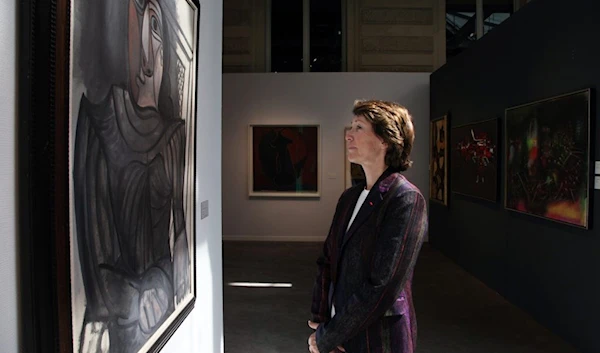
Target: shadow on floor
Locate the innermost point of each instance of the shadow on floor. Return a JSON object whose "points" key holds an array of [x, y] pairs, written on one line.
{"points": [[455, 312]]}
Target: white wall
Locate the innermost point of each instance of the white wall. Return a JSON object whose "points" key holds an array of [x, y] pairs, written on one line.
{"points": [[9, 337], [202, 331], [307, 98]]}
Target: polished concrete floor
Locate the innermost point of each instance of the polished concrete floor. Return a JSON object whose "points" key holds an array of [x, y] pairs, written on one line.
{"points": [[455, 312]]}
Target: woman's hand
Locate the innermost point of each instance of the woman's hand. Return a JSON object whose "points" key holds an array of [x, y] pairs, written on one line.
{"points": [[95, 338], [312, 340]]}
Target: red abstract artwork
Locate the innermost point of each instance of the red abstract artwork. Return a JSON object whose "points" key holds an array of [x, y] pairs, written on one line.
{"points": [[284, 160], [475, 160]]}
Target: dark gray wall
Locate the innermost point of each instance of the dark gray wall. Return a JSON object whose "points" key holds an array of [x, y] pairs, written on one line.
{"points": [[547, 48]]}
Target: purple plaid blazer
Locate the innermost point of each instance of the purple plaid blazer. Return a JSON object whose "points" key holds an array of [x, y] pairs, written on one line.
{"points": [[367, 271]]}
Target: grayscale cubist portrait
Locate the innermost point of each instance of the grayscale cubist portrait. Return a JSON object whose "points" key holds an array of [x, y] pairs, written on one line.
{"points": [[132, 176]]}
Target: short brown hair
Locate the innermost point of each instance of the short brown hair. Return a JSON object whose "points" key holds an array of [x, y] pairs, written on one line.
{"points": [[393, 123]]}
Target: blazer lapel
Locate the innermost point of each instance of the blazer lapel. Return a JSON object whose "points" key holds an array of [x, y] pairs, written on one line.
{"points": [[347, 212], [373, 199]]}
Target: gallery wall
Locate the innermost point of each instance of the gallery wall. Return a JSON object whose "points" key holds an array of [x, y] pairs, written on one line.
{"points": [[9, 302], [547, 268], [203, 329], [306, 98]]}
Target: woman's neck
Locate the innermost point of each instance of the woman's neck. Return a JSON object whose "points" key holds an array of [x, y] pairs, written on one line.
{"points": [[373, 172]]}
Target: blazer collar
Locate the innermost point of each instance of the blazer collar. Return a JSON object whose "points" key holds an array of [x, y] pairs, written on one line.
{"points": [[374, 198]]}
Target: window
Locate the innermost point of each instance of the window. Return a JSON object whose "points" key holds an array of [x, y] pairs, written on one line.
{"points": [[460, 27], [286, 35], [495, 13], [302, 30], [325, 36], [462, 21]]}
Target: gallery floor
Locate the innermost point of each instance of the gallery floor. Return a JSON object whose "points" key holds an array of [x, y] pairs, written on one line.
{"points": [[455, 312]]}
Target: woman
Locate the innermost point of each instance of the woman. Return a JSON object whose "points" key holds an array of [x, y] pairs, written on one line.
{"points": [[362, 299], [128, 176]]}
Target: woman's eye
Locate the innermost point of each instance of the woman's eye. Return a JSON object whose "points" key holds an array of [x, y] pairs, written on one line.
{"points": [[154, 24]]}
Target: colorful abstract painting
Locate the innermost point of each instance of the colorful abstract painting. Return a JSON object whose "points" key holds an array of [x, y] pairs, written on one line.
{"points": [[438, 161], [547, 156], [284, 160], [474, 155]]}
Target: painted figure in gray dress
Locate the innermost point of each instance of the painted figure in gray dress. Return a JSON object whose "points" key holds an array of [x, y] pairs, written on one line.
{"points": [[129, 162]]}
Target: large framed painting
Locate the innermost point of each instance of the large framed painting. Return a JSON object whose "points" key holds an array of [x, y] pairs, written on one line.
{"points": [[354, 173], [438, 160], [547, 155], [108, 169], [284, 161], [474, 155]]}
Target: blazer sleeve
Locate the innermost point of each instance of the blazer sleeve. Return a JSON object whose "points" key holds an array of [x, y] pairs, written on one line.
{"points": [[395, 253], [320, 301]]}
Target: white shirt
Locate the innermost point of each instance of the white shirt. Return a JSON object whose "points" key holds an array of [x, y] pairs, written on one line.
{"points": [[359, 202]]}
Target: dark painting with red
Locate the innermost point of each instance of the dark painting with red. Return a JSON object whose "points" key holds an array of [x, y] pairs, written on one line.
{"points": [[474, 157], [284, 159]]}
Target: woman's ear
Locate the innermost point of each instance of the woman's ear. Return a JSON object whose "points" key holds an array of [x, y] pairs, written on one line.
{"points": [[385, 145]]}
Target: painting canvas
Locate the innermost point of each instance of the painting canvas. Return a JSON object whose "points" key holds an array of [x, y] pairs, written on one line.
{"points": [[354, 173], [474, 155], [438, 161], [121, 103], [284, 160], [547, 154]]}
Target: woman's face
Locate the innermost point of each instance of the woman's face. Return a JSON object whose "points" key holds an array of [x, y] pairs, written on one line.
{"points": [[364, 147], [146, 54]]}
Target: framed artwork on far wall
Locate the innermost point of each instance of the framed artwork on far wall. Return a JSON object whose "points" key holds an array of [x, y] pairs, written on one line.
{"points": [[474, 155], [284, 161], [547, 153], [438, 160], [107, 169], [354, 173]]}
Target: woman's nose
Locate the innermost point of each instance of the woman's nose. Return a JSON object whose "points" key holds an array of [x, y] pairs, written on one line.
{"points": [[148, 57], [148, 64]]}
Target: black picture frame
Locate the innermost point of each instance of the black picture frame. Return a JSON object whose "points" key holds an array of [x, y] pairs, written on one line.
{"points": [[547, 150], [46, 212]]}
